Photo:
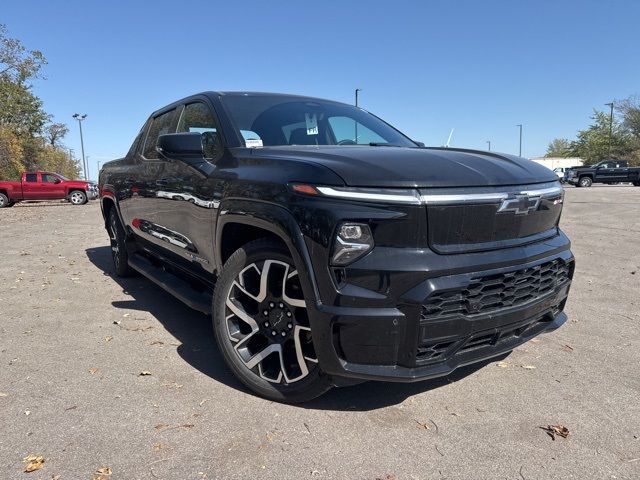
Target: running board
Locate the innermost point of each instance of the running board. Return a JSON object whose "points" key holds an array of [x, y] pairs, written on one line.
{"points": [[172, 284]]}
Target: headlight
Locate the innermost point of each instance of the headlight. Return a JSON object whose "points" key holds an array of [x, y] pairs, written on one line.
{"points": [[353, 240]]}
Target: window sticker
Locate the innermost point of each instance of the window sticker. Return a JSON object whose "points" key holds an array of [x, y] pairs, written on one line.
{"points": [[253, 142], [312, 123]]}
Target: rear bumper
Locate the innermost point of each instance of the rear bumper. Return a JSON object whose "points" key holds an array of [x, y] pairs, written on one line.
{"points": [[406, 341]]}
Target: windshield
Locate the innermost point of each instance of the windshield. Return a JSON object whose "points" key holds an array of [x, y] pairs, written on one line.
{"points": [[276, 120], [62, 177]]}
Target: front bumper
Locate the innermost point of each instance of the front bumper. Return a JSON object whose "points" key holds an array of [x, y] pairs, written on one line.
{"points": [[92, 193], [408, 339]]}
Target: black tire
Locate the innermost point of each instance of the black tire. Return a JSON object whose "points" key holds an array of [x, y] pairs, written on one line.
{"points": [[255, 253], [636, 184], [4, 201], [117, 238], [585, 182]]}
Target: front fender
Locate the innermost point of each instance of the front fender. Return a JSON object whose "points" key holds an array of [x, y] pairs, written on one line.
{"points": [[276, 220]]}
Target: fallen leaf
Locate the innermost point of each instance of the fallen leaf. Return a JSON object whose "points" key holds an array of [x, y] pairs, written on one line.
{"points": [[567, 348], [126, 315], [93, 371], [144, 373], [2, 394], [529, 367], [73, 407], [108, 338], [553, 430], [34, 462], [160, 426], [502, 364], [116, 322], [159, 446], [27, 412], [104, 471], [423, 426], [157, 342]]}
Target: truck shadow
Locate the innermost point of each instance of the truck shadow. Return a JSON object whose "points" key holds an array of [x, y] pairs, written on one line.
{"points": [[198, 348]]}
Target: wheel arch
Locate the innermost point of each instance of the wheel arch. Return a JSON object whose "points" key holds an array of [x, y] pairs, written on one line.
{"points": [[243, 221]]}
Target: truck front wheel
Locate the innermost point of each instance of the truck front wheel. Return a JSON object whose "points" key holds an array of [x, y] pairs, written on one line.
{"points": [[4, 201], [261, 324], [78, 197], [585, 182]]}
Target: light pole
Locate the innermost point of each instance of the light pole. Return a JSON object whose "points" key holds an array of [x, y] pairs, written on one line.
{"points": [[520, 149], [610, 126], [358, 90], [489, 145], [88, 172], [80, 118]]}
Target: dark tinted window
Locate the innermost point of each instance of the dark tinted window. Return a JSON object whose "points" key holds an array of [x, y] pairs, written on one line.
{"points": [[32, 177], [197, 118], [48, 178], [287, 120], [159, 126]]}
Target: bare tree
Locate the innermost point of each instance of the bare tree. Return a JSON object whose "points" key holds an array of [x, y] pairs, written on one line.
{"points": [[56, 132]]}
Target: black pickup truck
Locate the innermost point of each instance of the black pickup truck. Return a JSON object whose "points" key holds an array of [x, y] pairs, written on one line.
{"points": [[330, 248], [606, 171]]}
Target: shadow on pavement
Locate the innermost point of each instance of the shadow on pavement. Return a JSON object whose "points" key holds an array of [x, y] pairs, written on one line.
{"points": [[193, 330]]}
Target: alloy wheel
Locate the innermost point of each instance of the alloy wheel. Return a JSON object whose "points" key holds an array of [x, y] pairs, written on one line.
{"points": [[267, 323], [77, 198]]}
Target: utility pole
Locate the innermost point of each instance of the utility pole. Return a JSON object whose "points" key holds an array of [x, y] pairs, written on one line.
{"points": [[610, 126], [489, 145], [358, 90], [520, 149], [80, 118]]}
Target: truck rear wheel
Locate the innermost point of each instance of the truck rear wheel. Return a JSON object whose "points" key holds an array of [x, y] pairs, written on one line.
{"points": [[4, 201], [78, 197], [261, 324], [585, 182], [117, 237]]}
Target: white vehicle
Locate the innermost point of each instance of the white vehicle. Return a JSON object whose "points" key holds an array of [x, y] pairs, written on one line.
{"points": [[560, 171]]}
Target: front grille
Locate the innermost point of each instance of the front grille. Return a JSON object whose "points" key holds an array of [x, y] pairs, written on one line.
{"points": [[490, 293]]}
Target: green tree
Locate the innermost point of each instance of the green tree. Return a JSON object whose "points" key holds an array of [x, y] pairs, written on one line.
{"points": [[592, 144], [17, 64], [559, 147]]}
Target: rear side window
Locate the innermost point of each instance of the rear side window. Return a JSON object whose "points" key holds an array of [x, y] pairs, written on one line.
{"points": [[160, 125], [32, 177]]}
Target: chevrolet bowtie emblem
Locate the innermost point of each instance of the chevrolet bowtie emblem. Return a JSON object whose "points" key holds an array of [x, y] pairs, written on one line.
{"points": [[519, 204]]}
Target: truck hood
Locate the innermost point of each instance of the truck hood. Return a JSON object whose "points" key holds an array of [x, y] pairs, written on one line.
{"points": [[364, 166]]}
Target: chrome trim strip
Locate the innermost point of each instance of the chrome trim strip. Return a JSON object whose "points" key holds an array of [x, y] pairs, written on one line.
{"points": [[437, 199], [413, 199]]}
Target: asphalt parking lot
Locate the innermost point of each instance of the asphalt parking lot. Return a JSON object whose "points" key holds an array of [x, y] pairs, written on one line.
{"points": [[74, 341]]}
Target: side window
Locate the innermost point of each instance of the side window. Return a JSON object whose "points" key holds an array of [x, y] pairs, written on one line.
{"points": [[32, 177], [197, 118], [349, 131], [159, 126], [48, 178]]}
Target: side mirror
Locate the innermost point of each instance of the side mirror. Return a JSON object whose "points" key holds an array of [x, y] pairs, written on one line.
{"points": [[420, 144], [175, 145], [57, 180], [186, 148]]}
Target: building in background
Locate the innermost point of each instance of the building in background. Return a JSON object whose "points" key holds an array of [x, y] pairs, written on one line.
{"points": [[558, 162]]}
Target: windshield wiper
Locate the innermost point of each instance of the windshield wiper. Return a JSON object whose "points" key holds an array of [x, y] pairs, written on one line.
{"points": [[376, 144]]}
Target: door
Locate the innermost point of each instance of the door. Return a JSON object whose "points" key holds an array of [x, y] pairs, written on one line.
{"points": [[31, 187], [51, 186], [173, 206]]}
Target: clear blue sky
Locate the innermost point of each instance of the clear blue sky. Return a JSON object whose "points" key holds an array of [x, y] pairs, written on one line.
{"points": [[480, 67]]}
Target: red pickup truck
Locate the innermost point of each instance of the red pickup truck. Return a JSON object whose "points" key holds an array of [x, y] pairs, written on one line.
{"points": [[46, 186]]}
